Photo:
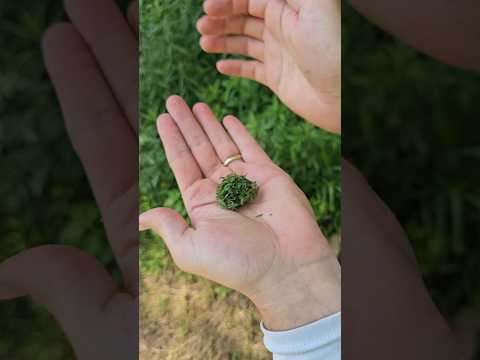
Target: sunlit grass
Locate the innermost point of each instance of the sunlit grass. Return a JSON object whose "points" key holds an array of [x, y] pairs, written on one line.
{"points": [[173, 63]]}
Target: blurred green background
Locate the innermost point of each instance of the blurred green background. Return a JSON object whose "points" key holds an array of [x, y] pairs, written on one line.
{"points": [[411, 124], [45, 197]]}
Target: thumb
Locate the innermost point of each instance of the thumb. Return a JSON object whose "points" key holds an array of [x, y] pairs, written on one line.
{"points": [[49, 271], [169, 225], [73, 286]]}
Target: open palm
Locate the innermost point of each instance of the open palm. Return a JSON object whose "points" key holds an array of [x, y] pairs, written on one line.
{"points": [[254, 249], [295, 45]]}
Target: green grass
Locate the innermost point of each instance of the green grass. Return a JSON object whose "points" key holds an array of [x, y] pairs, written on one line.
{"points": [[412, 125], [173, 63]]}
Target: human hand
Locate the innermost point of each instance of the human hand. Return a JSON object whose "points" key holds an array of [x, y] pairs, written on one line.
{"points": [[296, 47], [272, 250], [99, 98], [451, 36], [378, 313]]}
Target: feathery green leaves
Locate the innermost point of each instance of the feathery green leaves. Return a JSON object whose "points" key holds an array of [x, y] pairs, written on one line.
{"points": [[235, 191]]}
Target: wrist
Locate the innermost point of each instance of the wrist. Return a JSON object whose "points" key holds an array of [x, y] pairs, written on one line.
{"points": [[311, 293], [330, 115]]}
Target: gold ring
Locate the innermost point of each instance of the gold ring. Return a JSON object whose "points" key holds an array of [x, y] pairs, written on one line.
{"points": [[232, 159]]}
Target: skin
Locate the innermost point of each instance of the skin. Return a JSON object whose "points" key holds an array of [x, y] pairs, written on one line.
{"points": [[295, 47], [375, 247], [99, 317], [289, 272], [446, 30]]}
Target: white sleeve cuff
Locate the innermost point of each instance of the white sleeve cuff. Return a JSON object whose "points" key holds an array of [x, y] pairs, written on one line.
{"points": [[320, 340]]}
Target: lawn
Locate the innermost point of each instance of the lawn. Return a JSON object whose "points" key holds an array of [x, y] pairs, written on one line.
{"points": [[173, 63]]}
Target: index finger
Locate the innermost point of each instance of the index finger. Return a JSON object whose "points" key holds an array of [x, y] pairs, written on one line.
{"points": [[114, 44], [179, 157], [102, 137]]}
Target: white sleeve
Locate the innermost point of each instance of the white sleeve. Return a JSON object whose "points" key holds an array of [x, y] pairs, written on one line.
{"points": [[320, 340]]}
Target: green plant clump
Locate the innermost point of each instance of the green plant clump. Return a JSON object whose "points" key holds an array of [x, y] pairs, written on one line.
{"points": [[235, 191]]}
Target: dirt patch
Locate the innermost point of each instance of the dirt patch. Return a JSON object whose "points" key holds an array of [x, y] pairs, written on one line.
{"points": [[183, 319]]}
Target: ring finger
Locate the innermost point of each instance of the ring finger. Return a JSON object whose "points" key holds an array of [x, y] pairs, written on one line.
{"points": [[222, 142]]}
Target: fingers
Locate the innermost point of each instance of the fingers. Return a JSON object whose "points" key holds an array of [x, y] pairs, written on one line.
{"points": [[237, 45], [72, 285], [179, 157], [37, 272], [206, 130], [222, 142], [114, 45], [250, 149], [237, 25], [253, 70], [224, 8], [196, 139], [100, 134], [133, 16]]}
